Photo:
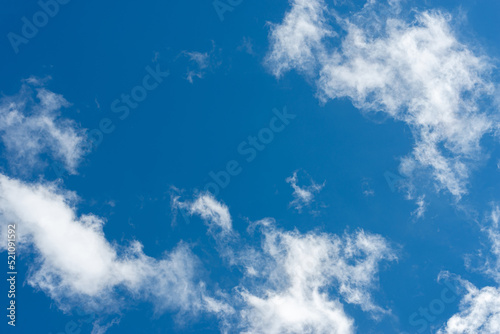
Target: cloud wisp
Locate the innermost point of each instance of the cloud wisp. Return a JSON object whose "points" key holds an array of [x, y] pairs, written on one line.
{"points": [[216, 214], [303, 196], [31, 126], [201, 62]]}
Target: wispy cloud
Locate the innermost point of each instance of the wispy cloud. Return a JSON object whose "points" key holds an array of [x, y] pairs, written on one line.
{"points": [[480, 308], [416, 71], [298, 41], [303, 196], [298, 270], [246, 46], [367, 187], [421, 207], [212, 211], [201, 62], [31, 126]]}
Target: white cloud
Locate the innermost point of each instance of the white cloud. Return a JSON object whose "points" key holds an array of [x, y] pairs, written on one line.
{"points": [[479, 312], [492, 266], [30, 127], [298, 41], [421, 207], [480, 308], [199, 58], [216, 216], [201, 62], [299, 272], [417, 72], [303, 196], [367, 187], [77, 266], [215, 213]]}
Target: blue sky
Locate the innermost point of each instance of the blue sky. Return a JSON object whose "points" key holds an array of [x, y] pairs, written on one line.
{"points": [[301, 166]]}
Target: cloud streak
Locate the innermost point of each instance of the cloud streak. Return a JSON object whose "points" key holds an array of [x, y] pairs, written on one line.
{"points": [[216, 214]]}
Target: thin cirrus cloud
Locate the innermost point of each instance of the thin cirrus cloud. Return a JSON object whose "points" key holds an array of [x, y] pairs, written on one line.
{"points": [[287, 281], [421, 207], [416, 71], [212, 211], [480, 308], [201, 62], [31, 126], [303, 196], [76, 265]]}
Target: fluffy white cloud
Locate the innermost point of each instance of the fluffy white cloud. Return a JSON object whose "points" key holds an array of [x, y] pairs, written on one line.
{"points": [[480, 308], [298, 41], [300, 272], [30, 127], [303, 196], [76, 265], [479, 312], [416, 72]]}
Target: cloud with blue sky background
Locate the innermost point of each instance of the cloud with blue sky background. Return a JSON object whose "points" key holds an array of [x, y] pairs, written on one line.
{"points": [[152, 190]]}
